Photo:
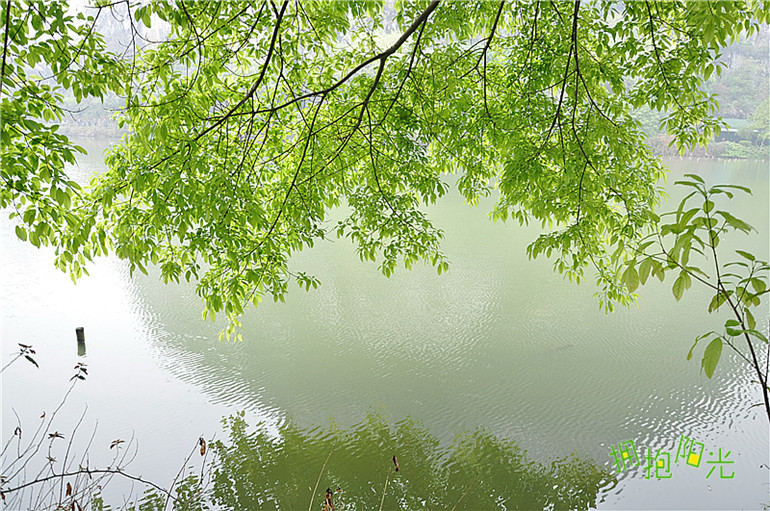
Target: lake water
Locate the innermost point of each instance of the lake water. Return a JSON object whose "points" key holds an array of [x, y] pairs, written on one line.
{"points": [[499, 342]]}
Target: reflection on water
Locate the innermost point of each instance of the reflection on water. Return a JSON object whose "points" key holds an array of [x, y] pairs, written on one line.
{"points": [[255, 470]]}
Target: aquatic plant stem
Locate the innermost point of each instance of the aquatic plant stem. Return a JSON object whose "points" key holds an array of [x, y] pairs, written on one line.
{"points": [[18, 356], [318, 481], [178, 475], [384, 490], [464, 494]]}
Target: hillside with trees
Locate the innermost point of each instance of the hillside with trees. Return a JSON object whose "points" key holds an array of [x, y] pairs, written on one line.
{"points": [[742, 89]]}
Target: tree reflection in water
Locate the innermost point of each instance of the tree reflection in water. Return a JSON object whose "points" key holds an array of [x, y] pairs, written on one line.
{"points": [[257, 470]]}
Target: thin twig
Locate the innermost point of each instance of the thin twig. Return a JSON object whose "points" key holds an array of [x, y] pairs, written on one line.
{"points": [[115, 471], [318, 481], [466, 493], [178, 475], [386, 487], [18, 356], [5, 44]]}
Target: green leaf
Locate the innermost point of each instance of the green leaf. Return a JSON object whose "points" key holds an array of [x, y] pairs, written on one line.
{"points": [[746, 255], [730, 325], [630, 278], [658, 270], [759, 335], [29, 216], [21, 233], [687, 216], [717, 301], [744, 295], [734, 222], [698, 339], [750, 321], [683, 202], [681, 284], [711, 356], [696, 177], [687, 279], [34, 238], [644, 270], [735, 187], [758, 284]]}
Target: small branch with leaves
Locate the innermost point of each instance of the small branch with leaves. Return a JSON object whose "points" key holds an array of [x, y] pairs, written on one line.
{"points": [[696, 232], [26, 351]]}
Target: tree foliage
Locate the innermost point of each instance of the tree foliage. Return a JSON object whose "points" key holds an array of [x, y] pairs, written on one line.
{"points": [[250, 121], [46, 50], [760, 122]]}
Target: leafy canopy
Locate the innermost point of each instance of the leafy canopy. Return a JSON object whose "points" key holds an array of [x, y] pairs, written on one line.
{"points": [[250, 121]]}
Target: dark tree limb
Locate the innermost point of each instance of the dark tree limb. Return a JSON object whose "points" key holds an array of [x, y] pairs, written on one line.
{"points": [[5, 44]]}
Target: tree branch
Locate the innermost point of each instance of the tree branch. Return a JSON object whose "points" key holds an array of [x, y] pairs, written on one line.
{"points": [[88, 471], [566, 75], [380, 56], [657, 55], [5, 44], [256, 85]]}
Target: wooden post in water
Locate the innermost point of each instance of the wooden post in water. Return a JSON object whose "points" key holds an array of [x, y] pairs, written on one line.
{"points": [[81, 336]]}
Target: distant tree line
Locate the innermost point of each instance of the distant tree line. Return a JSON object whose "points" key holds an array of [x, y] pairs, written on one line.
{"points": [[742, 90]]}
